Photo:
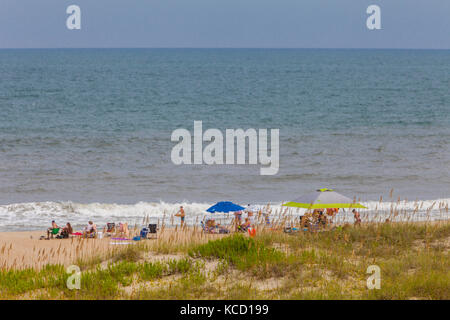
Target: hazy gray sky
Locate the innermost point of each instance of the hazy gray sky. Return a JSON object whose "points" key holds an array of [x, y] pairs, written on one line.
{"points": [[225, 23]]}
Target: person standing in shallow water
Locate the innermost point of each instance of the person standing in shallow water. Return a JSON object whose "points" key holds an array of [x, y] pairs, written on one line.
{"points": [[181, 214]]}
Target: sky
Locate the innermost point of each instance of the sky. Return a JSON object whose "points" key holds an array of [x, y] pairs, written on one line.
{"points": [[225, 24]]}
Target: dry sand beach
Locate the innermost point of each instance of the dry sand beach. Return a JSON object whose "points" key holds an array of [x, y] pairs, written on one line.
{"points": [[20, 250]]}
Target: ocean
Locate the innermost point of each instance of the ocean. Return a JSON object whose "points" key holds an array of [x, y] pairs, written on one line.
{"points": [[85, 133]]}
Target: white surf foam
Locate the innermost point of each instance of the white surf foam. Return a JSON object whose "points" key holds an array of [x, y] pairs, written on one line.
{"points": [[38, 215]]}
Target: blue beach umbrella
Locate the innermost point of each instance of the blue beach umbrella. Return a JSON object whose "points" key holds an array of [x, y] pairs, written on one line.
{"points": [[225, 206]]}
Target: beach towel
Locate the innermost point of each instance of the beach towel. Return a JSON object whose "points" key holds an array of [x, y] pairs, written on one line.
{"points": [[116, 243]]}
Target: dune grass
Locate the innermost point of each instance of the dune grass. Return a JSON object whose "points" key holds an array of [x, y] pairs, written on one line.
{"points": [[413, 259]]}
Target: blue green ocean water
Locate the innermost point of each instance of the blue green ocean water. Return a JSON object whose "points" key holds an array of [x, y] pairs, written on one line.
{"points": [[93, 125]]}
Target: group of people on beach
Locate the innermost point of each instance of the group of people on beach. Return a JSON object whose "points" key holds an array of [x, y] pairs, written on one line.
{"points": [[210, 225], [249, 221], [65, 232], [318, 217], [89, 231], [59, 232], [323, 218]]}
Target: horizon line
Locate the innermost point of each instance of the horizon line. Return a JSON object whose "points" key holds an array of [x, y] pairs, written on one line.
{"points": [[273, 48]]}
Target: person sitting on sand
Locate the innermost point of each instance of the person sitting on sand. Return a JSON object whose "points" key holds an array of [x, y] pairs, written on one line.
{"points": [[210, 225], [304, 221], [66, 231], [181, 214], [322, 219], [50, 230], [357, 217], [90, 230], [123, 229], [315, 216], [246, 225]]}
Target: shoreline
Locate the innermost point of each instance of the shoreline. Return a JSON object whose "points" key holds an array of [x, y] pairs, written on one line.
{"points": [[32, 216]]}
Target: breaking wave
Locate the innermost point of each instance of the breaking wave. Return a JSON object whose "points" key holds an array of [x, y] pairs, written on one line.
{"points": [[38, 215]]}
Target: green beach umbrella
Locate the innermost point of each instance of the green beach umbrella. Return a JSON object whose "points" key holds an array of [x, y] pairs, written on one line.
{"points": [[323, 199]]}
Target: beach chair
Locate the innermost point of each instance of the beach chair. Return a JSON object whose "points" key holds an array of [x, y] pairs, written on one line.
{"points": [[110, 229], [152, 231], [53, 232], [205, 228], [90, 234]]}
